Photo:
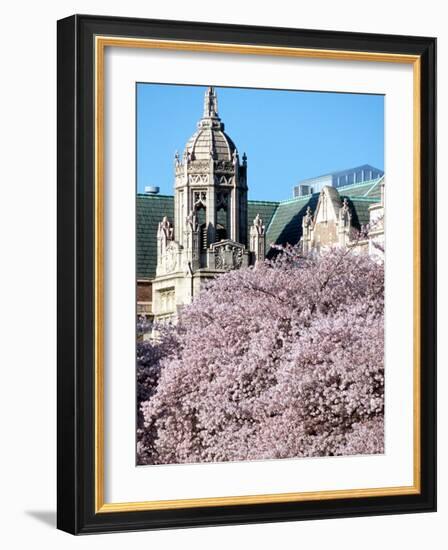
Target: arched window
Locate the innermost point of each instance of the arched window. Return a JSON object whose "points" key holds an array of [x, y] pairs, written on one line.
{"points": [[222, 216], [201, 217]]}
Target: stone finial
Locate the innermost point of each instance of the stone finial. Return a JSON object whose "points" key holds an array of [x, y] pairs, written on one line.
{"points": [[244, 159], [308, 217], [210, 103], [165, 230], [257, 238], [257, 226], [345, 213]]}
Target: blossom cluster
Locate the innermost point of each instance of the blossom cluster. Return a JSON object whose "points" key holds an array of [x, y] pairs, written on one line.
{"points": [[281, 360]]}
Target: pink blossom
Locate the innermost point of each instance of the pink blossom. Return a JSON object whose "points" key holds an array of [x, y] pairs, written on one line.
{"points": [[285, 359]]}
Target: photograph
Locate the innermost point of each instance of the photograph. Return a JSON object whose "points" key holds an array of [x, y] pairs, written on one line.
{"points": [[246, 274], [260, 244], [229, 216]]}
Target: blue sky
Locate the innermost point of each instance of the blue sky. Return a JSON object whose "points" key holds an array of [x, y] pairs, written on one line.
{"points": [[287, 135]]}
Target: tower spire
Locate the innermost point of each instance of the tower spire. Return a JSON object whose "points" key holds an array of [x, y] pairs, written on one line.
{"points": [[210, 103]]}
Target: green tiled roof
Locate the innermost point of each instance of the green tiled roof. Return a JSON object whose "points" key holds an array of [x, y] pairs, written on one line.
{"points": [[360, 209], [360, 197], [283, 220], [266, 210], [365, 189], [375, 189], [286, 225], [150, 211]]}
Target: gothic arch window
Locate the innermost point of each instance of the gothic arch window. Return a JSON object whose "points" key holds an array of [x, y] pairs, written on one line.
{"points": [[222, 216], [201, 216], [199, 199]]}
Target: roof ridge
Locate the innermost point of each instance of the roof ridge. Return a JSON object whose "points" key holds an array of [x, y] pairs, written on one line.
{"points": [[156, 196], [297, 199], [363, 199], [263, 202], [360, 184], [146, 195], [374, 185]]}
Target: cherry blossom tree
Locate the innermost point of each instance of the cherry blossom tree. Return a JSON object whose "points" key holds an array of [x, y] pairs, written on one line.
{"points": [[280, 360], [149, 354]]}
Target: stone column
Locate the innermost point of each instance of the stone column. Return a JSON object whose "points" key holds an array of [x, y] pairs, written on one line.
{"points": [[211, 205], [235, 201], [192, 242]]}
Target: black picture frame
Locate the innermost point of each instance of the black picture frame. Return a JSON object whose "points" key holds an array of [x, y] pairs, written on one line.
{"points": [[76, 511]]}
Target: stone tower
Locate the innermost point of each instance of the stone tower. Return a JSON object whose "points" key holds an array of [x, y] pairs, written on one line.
{"points": [[209, 235]]}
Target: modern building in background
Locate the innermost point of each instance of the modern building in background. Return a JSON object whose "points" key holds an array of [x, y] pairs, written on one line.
{"points": [[209, 226], [343, 178]]}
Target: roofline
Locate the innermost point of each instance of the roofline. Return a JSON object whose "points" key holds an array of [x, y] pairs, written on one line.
{"points": [[158, 196], [380, 179], [297, 199], [362, 199], [275, 203], [360, 184], [264, 202]]}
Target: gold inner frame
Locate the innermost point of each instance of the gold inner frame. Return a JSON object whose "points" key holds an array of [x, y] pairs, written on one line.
{"points": [[101, 42]]}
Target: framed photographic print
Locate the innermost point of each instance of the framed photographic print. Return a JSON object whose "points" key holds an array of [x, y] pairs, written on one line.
{"points": [[246, 274]]}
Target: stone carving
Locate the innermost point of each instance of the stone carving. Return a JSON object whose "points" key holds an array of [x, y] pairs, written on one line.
{"points": [[192, 221], [210, 103], [257, 226], [307, 230], [345, 214], [199, 166], [198, 178], [165, 229], [257, 238], [167, 300], [171, 257], [224, 180], [224, 166], [228, 255], [308, 217]]}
